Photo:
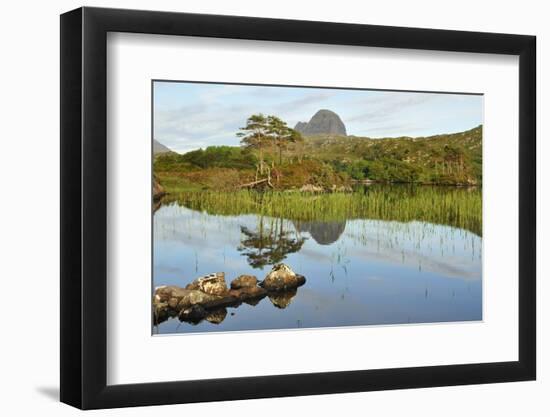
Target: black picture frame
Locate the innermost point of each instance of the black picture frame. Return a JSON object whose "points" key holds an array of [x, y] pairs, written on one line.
{"points": [[84, 207]]}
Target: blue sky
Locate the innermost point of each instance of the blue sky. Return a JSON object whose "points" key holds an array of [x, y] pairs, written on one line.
{"points": [[189, 116]]}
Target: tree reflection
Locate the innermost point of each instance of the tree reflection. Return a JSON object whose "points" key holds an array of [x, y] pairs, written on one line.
{"points": [[270, 243]]}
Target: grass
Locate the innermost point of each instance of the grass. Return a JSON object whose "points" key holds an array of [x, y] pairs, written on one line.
{"points": [[454, 206]]}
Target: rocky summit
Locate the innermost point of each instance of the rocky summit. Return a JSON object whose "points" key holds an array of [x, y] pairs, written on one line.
{"points": [[159, 147], [324, 122]]}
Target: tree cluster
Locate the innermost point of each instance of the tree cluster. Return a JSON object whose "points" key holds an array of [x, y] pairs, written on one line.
{"points": [[262, 132]]}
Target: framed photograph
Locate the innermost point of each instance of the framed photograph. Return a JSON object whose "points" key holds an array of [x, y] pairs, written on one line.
{"points": [[256, 208]]}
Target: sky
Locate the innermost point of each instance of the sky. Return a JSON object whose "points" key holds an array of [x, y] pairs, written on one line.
{"points": [[190, 116]]}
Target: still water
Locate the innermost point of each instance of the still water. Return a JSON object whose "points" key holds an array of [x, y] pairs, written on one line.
{"points": [[359, 272]]}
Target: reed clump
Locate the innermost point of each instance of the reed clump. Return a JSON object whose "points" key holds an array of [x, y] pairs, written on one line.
{"points": [[453, 206]]}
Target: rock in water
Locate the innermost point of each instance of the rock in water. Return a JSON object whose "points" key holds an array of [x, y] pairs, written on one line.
{"points": [[248, 293], [324, 122], [177, 298], [244, 281], [213, 284], [282, 278]]}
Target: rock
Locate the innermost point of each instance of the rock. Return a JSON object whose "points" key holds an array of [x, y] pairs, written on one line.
{"points": [[310, 188], [176, 298], [192, 297], [341, 189], [173, 303], [248, 293], [193, 285], [159, 148], [244, 281], [207, 297], [225, 301], [282, 278], [213, 284], [166, 292], [300, 127], [160, 312], [324, 122]]}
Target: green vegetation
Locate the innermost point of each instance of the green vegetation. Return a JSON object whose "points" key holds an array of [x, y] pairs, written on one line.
{"points": [[211, 157], [458, 207], [263, 132], [453, 159], [272, 150], [221, 180]]}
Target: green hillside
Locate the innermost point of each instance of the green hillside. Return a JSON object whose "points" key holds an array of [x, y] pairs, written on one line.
{"points": [[442, 159], [329, 161]]}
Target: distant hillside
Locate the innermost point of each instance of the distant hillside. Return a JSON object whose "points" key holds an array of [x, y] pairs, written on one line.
{"points": [[442, 159], [159, 147]]}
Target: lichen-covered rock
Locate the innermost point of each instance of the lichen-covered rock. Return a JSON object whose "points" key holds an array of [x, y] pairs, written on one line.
{"points": [[164, 293], [173, 302], [281, 278], [244, 281], [207, 297], [213, 284], [177, 298], [192, 297], [193, 285]]}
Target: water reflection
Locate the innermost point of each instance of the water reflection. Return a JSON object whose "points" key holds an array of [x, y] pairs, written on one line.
{"points": [[282, 299], [198, 313], [324, 233], [269, 243], [359, 271]]}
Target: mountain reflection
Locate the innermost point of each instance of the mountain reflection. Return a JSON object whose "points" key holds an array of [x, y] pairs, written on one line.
{"points": [[324, 233]]}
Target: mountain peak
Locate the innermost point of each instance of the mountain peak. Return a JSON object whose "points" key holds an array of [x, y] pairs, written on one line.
{"points": [[323, 122], [159, 147]]}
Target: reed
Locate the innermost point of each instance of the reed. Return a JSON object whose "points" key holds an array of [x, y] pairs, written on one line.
{"points": [[452, 206]]}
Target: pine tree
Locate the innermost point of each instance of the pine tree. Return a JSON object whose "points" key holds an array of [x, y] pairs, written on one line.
{"points": [[256, 135], [281, 135]]}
